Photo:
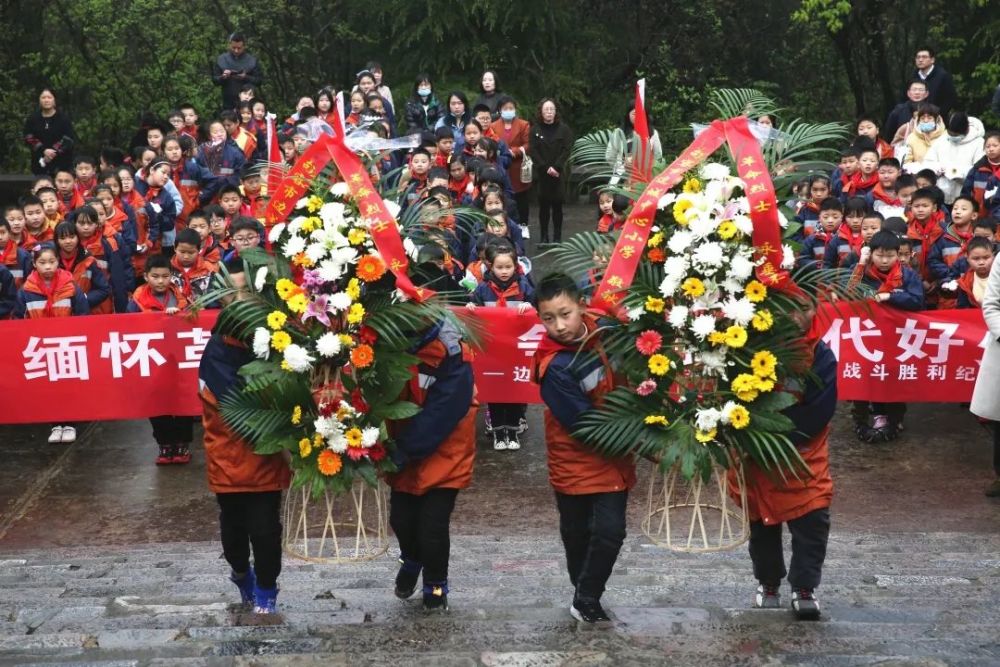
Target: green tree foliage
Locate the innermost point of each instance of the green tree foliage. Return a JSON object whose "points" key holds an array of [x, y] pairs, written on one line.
{"points": [[825, 60]]}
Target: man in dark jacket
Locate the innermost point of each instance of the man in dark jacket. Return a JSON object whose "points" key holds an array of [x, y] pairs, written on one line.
{"points": [[234, 69], [940, 87], [902, 113]]}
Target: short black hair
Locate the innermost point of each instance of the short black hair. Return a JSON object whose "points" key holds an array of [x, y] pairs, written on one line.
{"points": [[481, 107], [958, 123], [620, 203], [985, 223], [84, 159], [889, 162], [29, 200], [241, 222], [883, 240], [905, 181], [924, 193], [229, 187], [874, 215], [156, 262], [975, 204], [856, 205], [831, 204], [980, 242], [926, 48], [188, 237], [420, 150], [438, 172], [557, 284], [64, 229], [444, 133], [896, 225], [850, 151], [198, 213]]}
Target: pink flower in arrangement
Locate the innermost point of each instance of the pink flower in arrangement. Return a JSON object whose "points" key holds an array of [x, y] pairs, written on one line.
{"points": [[355, 453], [317, 309], [648, 342], [646, 387], [311, 278]]}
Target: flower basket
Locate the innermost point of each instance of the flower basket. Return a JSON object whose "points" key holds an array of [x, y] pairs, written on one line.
{"points": [[697, 515], [336, 527]]}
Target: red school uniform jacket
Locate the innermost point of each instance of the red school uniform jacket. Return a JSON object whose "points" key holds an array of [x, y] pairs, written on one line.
{"points": [[144, 301], [68, 202], [91, 280], [61, 298], [18, 262], [192, 281]]}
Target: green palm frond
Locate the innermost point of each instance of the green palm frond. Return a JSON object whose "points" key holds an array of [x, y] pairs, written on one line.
{"points": [[589, 157], [733, 102], [576, 254]]}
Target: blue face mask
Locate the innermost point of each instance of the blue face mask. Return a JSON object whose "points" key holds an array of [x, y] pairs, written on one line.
{"points": [[508, 114], [926, 127], [423, 92], [955, 140]]}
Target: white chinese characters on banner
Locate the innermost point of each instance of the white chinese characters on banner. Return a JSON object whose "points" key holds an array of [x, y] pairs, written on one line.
{"points": [[136, 346], [193, 352], [57, 358]]}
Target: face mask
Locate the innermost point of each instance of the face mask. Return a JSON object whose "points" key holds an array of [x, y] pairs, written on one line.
{"points": [[493, 211], [508, 114], [955, 140], [926, 127], [423, 92]]}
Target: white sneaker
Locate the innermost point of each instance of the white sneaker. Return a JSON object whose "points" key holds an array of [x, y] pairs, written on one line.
{"points": [[68, 434], [56, 436], [499, 440]]}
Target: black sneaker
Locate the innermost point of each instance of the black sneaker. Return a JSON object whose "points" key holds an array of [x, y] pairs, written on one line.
{"points": [[768, 597], [805, 605], [406, 578], [436, 597], [588, 610]]}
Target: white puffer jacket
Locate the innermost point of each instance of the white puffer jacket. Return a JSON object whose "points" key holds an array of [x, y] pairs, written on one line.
{"points": [[951, 160]]}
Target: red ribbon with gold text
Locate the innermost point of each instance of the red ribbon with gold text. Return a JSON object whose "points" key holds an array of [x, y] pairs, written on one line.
{"points": [[297, 181]]}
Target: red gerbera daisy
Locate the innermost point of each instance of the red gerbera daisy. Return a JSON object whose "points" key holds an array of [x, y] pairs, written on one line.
{"points": [[376, 452], [648, 342]]}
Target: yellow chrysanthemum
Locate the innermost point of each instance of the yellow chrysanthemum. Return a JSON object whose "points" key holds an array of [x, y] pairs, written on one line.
{"points": [[314, 203], [658, 364], [716, 338], [285, 366], [353, 437], [745, 386], [285, 288], [353, 289], [298, 303], [765, 385], [655, 240], [309, 225], [705, 436], [693, 288], [297, 415], [356, 313], [346, 340], [727, 230], [280, 340], [736, 336], [763, 364], [692, 185], [680, 211], [762, 320], [305, 447], [654, 304], [317, 440], [739, 417], [656, 419], [756, 291], [276, 319], [356, 236]]}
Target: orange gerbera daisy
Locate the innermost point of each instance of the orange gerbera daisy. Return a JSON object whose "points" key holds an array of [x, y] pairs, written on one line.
{"points": [[329, 463], [362, 356], [370, 268], [657, 255]]}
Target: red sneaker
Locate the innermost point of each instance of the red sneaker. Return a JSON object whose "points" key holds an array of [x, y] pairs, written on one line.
{"points": [[166, 455], [182, 454]]}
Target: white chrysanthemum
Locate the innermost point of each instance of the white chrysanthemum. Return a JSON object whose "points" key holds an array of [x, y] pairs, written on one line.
{"points": [[713, 171], [339, 189], [261, 342], [332, 214], [330, 270], [740, 267], [635, 313], [260, 279], [339, 302], [787, 257], [347, 409], [399, 296], [743, 223], [739, 310], [670, 285], [302, 202], [703, 225], [392, 207], [708, 255], [369, 436], [680, 241], [666, 200], [782, 220], [703, 325], [727, 411], [707, 419], [316, 252], [410, 248], [344, 255], [328, 345], [731, 285], [717, 191], [298, 358], [296, 224], [714, 361], [337, 443], [328, 427], [275, 232], [293, 246], [678, 316]]}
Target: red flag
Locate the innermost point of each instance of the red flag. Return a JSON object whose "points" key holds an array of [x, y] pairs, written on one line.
{"points": [[275, 172], [643, 169]]}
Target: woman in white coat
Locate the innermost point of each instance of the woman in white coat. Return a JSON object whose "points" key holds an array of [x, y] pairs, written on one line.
{"points": [[953, 154], [622, 145], [986, 395]]}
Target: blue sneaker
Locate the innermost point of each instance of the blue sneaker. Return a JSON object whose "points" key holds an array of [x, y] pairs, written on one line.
{"points": [[265, 600], [406, 579], [246, 584], [435, 596]]}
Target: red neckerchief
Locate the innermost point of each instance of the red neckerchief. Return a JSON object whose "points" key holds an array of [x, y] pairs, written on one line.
{"points": [[810, 206], [608, 223], [199, 269], [889, 281], [965, 284], [458, 187], [135, 200], [927, 235], [878, 192], [859, 182], [68, 263], [884, 148], [548, 347], [513, 290], [845, 180], [211, 251], [476, 269], [8, 256], [822, 236], [353, 119], [47, 234], [94, 245], [995, 168], [69, 202], [84, 189], [28, 242], [442, 160], [855, 241], [62, 287], [149, 302], [116, 221], [956, 235]]}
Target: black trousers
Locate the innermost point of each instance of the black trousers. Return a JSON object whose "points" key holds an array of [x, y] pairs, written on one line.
{"points": [[506, 415], [592, 527], [421, 524], [547, 209], [169, 430], [523, 202], [809, 537], [252, 519]]}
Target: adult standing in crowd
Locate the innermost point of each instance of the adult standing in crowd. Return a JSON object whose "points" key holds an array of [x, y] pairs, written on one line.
{"points": [[940, 87], [549, 147], [622, 146], [986, 395], [515, 132], [49, 133], [234, 69], [952, 155], [423, 110], [903, 112], [489, 93]]}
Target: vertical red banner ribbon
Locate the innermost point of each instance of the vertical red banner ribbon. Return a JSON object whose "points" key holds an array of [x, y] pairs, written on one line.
{"points": [[297, 181]]}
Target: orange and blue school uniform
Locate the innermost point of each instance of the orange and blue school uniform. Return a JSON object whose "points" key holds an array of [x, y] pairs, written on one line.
{"points": [[924, 236], [8, 293], [121, 223], [18, 262], [982, 183], [971, 290], [90, 279], [60, 297], [69, 201], [145, 301], [808, 217], [901, 283], [492, 292], [841, 247], [609, 222], [45, 235], [945, 252], [814, 249], [436, 448], [571, 383], [859, 186], [192, 281], [109, 257], [85, 190], [191, 179], [27, 242]]}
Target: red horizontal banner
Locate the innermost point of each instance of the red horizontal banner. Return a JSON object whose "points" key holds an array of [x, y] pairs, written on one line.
{"points": [[103, 367]]}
